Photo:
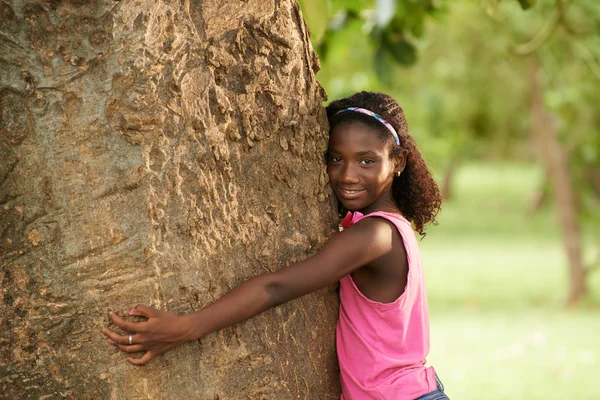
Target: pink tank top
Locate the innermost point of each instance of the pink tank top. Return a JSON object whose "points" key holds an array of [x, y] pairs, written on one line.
{"points": [[382, 346]]}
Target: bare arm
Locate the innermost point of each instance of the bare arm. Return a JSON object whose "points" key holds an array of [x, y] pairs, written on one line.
{"points": [[342, 254]]}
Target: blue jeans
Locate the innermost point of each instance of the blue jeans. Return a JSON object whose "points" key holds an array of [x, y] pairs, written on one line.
{"points": [[437, 394]]}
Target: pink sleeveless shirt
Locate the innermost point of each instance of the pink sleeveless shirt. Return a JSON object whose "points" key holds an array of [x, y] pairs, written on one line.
{"points": [[382, 346]]}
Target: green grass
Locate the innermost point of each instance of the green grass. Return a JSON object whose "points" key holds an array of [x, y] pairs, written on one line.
{"points": [[497, 281]]}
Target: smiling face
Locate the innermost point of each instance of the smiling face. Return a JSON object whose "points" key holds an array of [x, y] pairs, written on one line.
{"points": [[360, 169]]}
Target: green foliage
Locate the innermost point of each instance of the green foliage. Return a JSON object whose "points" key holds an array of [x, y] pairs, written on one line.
{"points": [[391, 27], [352, 6], [456, 69]]}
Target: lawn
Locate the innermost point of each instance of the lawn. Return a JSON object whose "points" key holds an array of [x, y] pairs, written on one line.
{"points": [[497, 279]]}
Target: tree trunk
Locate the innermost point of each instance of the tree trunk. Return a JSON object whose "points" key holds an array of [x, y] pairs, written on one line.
{"points": [[449, 174], [162, 153], [541, 196], [555, 162]]}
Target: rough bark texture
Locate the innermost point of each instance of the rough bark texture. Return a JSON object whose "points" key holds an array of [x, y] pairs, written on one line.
{"points": [[159, 152], [555, 162]]}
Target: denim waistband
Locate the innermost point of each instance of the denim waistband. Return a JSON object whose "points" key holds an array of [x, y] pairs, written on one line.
{"points": [[437, 394], [439, 383]]}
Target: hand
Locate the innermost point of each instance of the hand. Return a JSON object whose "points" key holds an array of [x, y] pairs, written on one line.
{"points": [[162, 331]]}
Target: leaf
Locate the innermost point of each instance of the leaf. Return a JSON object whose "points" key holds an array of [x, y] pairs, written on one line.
{"points": [[526, 4], [401, 50]]}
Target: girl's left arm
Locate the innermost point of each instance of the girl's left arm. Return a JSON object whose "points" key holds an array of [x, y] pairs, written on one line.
{"points": [[344, 253]]}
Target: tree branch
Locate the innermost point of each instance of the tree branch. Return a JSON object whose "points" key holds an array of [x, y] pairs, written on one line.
{"points": [[544, 34]]}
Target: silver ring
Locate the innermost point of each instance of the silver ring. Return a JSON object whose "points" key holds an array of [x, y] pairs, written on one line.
{"points": [[130, 339]]}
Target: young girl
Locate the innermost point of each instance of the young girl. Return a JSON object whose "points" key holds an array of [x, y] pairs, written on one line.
{"points": [[379, 176]]}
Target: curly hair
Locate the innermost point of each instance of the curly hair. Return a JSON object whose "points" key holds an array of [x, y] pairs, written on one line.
{"points": [[415, 191]]}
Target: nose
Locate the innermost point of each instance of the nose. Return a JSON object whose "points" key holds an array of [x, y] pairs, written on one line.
{"points": [[349, 174]]}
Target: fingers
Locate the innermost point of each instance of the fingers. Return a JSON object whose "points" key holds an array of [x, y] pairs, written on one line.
{"points": [[144, 311], [142, 360], [116, 338], [136, 348], [123, 342], [125, 325]]}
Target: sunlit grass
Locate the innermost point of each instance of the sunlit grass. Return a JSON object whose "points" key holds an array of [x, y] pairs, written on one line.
{"points": [[497, 281], [529, 354]]}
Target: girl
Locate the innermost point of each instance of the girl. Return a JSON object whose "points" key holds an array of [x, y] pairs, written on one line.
{"points": [[379, 176]]}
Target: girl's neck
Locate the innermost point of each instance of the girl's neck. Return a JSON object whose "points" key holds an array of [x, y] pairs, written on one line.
{"points": [[386, 204]]}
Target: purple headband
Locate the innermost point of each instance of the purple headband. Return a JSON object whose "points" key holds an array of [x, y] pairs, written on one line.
{"points": [[377, 117]]}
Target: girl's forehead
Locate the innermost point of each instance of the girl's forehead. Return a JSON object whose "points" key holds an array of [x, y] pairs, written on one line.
{"points": [[356, 136]]}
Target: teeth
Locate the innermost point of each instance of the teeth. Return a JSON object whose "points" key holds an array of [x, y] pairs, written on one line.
{"points": [[350, 191]]}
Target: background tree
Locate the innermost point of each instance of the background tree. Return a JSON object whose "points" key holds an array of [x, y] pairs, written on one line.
{"points": [[159, 152]]}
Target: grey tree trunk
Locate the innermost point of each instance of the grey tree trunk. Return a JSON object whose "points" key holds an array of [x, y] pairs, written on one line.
{"points": [[159, 152]]}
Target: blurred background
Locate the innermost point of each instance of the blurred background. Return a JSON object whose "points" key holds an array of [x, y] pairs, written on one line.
{"points": [[504, 98]]}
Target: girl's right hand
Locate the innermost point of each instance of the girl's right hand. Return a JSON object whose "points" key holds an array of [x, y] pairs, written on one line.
{"points": [[161, 332]]}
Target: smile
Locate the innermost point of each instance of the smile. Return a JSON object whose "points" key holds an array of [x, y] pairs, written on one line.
{"points": [[350, 194]]}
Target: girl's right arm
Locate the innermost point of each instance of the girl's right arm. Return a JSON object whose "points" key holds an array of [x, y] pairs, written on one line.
{"points": [[347, 251], [165, 330]]}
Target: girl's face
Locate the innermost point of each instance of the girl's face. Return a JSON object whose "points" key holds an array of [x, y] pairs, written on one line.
{"points": [[360, 169]]}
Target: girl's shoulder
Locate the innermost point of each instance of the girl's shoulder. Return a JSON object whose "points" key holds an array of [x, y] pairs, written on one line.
{"points": [[377, 227], [382, 223], [352, 218]]}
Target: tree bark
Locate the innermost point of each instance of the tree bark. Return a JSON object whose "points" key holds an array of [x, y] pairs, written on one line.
{"points": [[555, 161], [162, 153]]}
